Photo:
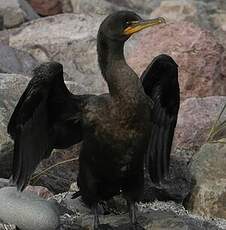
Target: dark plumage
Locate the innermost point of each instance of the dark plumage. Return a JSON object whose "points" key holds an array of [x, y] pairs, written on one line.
{"points": [[135, 121]]}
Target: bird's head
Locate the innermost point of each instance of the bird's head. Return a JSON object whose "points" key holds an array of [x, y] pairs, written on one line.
{"points": [[122, 24]]}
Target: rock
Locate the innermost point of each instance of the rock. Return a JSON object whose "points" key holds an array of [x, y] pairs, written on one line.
{"points": [[176, 187], [195, 119], [76, 49], [62, 172], [156, 215], [105, 7], [4, 182], [194, 11], [219, 20], [208, 173], [40, 191], [142, 6], [16, 61], [196, 51], [26, 7], [36, 213], [11, 87], [74, 187], [46, 7], [7, 227], [177, 11], [12, 13], [102, 7], [66, 6], [74, 205]]}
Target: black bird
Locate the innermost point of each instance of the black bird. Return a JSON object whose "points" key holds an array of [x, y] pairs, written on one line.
{"points": [[121, 130]]}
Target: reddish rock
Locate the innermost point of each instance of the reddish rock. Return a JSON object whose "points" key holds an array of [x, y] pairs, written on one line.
{"points": [[40, 191], [196, 117], [196, 51], [46, 7], [58, 171]]}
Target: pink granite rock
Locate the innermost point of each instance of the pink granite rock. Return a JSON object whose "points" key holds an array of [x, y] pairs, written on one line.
{"points": [[46, 7], [40, 191], [196, 117], [196, 51]]}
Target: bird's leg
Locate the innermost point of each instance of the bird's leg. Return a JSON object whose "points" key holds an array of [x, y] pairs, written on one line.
{"points": [[96, 217], [132, 214]]}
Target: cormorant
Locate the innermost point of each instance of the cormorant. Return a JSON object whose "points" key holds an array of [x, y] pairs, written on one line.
{"points": [[121, 130]]}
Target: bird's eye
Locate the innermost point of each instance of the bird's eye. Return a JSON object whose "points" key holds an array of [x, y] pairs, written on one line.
{"points": [[128, 23]]}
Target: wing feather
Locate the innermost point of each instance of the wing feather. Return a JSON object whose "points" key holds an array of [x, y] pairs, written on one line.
{"points": [[160, 82], [44, 111]]}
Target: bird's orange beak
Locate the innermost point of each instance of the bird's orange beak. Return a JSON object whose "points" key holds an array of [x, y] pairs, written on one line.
{"points": [[137, 26]]}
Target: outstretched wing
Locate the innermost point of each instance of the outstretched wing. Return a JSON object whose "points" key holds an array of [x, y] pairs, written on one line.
{"points": [[160, 82], [47, 116]]}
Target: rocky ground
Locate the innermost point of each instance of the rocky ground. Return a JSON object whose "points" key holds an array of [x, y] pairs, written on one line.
{"points": [[194, 195]]}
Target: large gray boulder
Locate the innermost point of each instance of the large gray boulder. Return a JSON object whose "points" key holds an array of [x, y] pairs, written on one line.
{"points": [[208, 172], [69, 39], [28, 211]]}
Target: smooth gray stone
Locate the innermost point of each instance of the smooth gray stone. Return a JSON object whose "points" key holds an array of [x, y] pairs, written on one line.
{"points": [[27, 210]]}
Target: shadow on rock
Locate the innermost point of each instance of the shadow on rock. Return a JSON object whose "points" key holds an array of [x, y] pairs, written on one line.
{"points": [[176, 187]]}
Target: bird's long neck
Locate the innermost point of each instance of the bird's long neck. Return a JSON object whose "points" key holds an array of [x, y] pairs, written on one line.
{"points": [[121, 79]]}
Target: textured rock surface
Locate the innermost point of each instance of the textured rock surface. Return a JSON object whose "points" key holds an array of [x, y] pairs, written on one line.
{"points": [[40, 191], [66, 6], [12, 13], [99, 7], [11, 87], [208, 194], [178, 184], [7, 227], [196, 51], [220, 20], [75, 48], [16, 61], [157, 215], [59, 178], [30, 13], [46, 7], [196, 117], [177, 10], [108, 6], [28, 211], [142, 6], [4, 182]]}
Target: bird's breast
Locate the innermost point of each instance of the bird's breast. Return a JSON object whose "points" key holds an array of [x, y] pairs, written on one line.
{"points": [[119, 121]]}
